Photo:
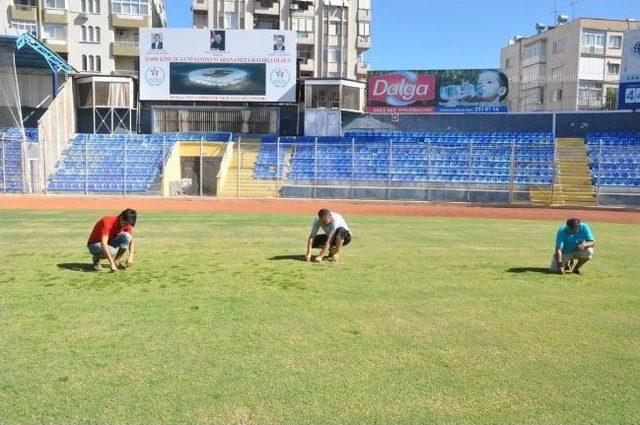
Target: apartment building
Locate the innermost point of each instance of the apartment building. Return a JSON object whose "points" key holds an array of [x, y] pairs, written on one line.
{"points": [[574, 65], [333, 35], [94, 36]]}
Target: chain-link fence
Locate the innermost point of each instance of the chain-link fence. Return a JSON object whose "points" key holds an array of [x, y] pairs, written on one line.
{"points": [[480, 172], [469, 172]]}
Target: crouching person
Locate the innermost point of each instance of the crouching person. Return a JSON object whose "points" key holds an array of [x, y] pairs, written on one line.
{"points": [[111, 237], [337, 235], [574, 242]]}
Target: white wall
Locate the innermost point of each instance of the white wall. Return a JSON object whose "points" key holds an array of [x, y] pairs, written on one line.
{"points": [[591, 68]]}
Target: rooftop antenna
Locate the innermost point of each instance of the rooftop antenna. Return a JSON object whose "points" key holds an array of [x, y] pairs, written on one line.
{"points": [[573, 9]]}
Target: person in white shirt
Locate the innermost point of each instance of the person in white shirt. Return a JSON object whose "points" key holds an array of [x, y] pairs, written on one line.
{"points": [[337, 235]]}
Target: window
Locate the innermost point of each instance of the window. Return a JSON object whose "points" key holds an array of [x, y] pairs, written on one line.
{"points": [[590, 94], [91, 39], [54, 4], [508, 64], [96, 6], [590, 38], [55, 32], [90, 6], [84, 33], [615, 42], [335, 54], [611, 98], [231, 20], [558, 46], [304, 54], [83, 5], [84, 62], [199, 20], [303, 25], [98, 64], [364, 4], [335, 28], [25, 26], [130, 7], [97, 34], [91, 63], [363, 29], [557, 96], [613, 68], [532, 98], [532, 50]]}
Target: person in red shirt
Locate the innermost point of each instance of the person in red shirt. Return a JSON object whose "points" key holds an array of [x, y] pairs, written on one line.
{"points": [[111, 237]]}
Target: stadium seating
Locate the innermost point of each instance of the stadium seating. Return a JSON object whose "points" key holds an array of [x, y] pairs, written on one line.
{"points": [[414, 157], [104, 162], [614, 159], [11, 156]]}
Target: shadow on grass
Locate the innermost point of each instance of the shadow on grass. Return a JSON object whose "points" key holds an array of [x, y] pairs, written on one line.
{"points": [[76, 267], [287, 257], [541, 270]]}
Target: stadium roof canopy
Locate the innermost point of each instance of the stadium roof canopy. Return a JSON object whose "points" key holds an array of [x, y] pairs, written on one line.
{"points": [[32, 53]]}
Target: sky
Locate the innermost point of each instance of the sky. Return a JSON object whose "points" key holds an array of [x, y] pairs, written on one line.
{"points": [[441, 34]]}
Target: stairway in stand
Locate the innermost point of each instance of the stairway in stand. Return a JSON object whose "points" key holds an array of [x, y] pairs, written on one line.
{"points": [[241, 171], [573, 184]]}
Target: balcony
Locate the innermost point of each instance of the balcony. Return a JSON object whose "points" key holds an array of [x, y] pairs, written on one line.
{"points": [[266, 7], [58, 45], [199, 5], [130, 21], [362, 69], [591, 49], [364, 42], [307, 65], [305, 37], [23, 13], [364, 15], [125, 48], [56, 16]]}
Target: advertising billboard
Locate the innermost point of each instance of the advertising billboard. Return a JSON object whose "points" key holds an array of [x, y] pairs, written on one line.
{"points": [[217, 65], [629, 92], [420, 92]]}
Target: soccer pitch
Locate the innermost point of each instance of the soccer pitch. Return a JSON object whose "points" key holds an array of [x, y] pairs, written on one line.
{"points": [[424, 320]]}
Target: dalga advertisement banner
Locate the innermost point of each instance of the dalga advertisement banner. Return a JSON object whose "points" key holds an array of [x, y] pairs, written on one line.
{"points": [[419, 92], [629, 93], [217, 65]]}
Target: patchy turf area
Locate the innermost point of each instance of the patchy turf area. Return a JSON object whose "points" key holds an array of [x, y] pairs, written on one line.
{"points": [[424, 320]]}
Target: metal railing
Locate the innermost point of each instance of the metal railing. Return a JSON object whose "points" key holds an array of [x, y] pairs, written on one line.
{"points": [[393, 170]]}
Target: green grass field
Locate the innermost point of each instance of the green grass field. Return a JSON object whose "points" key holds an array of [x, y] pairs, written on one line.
{"points": [[425, 320]]}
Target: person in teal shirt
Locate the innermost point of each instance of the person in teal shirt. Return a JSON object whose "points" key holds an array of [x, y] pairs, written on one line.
{"points": [[574, 241]]}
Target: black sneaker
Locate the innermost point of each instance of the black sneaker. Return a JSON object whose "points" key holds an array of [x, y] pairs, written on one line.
{"points": [[96, 265]]}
